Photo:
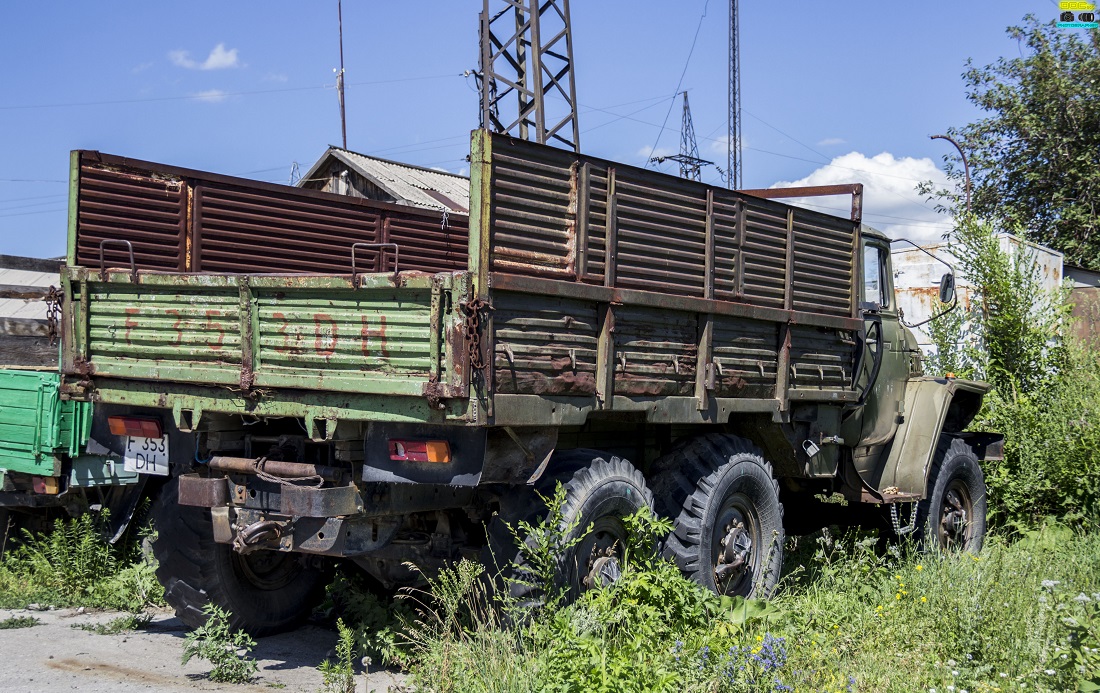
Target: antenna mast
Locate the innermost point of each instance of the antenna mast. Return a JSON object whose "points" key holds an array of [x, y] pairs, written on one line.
{"points": [[340, 75], [527, 55], [688, 158], [733, 143]]}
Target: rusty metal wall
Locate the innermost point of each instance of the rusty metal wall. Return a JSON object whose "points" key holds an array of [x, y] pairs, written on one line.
{"points": [[559, 215], [133, 328], [655, 352], [821, 358], [323, 336], [824, 248], [242, 230], [544, 345], [533, 200], [184, 220], [746, 354], [149, 212], [765, 253]]}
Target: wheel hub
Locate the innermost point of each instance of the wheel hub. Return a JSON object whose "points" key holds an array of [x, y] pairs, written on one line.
{"points": [[603, 568], [736, 547], [955, 519]]}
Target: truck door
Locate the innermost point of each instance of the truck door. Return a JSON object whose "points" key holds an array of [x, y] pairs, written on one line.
{"points": [[875, 425]]}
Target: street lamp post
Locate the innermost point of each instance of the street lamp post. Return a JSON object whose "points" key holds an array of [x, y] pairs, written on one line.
{"points": [[966, 166]]}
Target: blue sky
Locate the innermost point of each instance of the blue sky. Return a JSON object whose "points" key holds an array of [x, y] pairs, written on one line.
{"points": [[831, 91]]}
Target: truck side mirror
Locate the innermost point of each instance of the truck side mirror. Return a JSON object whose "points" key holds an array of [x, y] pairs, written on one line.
{"points": [[947, 287]]}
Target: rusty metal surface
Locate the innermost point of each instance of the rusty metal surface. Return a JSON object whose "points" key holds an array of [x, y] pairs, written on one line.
{"points": [[853, 189], [134, 206], [544, 345], [379, 335], [655, 352], [299, 501], [184, 220], [559, 215], [203, 492], [289, 470]]}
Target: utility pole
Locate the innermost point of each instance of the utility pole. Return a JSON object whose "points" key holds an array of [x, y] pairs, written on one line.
{"points": [[688, 158], [340, 75], [527, 56], [733, 145]]}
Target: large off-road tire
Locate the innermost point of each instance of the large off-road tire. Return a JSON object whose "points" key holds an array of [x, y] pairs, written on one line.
{"points": [[952, 516], [600, 491], [728, 522], [264, 592]]}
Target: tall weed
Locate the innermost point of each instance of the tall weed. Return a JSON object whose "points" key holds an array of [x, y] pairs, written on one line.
{"points": [[75, 565], [1046, 388]]}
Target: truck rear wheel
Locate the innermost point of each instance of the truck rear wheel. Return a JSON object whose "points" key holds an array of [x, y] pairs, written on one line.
{"points": [[728, 533], [953, 514], [600, 492], [264, 592]]}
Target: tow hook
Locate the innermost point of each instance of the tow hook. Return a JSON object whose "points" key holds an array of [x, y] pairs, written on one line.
{"points": [[736, 546], [257, 536]]}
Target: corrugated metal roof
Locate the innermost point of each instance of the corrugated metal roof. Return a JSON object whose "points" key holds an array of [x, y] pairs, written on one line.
{"points": [[19, 308], [412, 185]]}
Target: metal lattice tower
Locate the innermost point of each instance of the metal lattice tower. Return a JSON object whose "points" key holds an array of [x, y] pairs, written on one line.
{"points": [[733, 147], [526, 71], [688, 158]]}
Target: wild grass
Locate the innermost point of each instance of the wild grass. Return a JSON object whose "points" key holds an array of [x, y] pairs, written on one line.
{"points": [[1022, 615], [75, 565]]}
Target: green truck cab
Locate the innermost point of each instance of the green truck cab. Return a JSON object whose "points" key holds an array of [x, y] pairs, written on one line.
{"points": [[326, 377]]}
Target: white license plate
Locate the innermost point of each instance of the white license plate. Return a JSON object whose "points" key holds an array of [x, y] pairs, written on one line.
{"points": [[146, 455]]}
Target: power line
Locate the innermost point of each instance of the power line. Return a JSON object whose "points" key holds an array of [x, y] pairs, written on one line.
{"points": [[199, 97], [679, 82], [41, 211]]}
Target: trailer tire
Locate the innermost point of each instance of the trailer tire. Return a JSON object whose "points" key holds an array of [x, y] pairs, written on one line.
{"points": [[265, 592], [724, 502], [600, 490], [952, 515]]}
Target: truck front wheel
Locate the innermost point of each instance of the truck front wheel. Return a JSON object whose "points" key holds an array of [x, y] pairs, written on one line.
{"points": [[954, 509], [728, 534], [264, 592]]}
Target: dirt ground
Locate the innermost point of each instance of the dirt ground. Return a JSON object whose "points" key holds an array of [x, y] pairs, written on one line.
{"points": [[57, 655]]}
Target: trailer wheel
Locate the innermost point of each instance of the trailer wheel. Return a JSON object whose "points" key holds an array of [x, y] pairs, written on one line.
{"points": [[952, 516], [728, 521], [600, 491], [264, 592]]}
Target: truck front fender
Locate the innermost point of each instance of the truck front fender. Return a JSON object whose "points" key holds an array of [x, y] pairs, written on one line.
{"points": [[932, 406]]}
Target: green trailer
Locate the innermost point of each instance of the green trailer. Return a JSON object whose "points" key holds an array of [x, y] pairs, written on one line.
{"points": [[47, 458], [323, 377]]}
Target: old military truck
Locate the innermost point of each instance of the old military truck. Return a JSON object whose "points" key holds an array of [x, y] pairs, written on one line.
{"points": [[335, 377]]}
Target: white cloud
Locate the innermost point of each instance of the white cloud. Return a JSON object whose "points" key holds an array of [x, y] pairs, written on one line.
{"points": [[275, 77], [210, 96], [830, 141], [219, 59], [142, 67], [890, 201]]}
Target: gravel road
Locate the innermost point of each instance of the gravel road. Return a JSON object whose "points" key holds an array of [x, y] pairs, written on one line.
{"points": [[57, 655]]}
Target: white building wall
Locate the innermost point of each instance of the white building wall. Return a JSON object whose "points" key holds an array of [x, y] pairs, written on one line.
{"points": [[917, 278]]}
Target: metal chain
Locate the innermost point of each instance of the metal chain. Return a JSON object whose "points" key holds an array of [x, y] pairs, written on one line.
{"points": [[54, 297], [898, 529], [472, 330]]}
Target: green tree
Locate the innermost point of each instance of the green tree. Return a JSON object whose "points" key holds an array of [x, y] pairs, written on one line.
{"points": [[1035, 158]]}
